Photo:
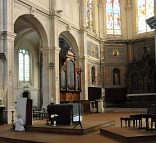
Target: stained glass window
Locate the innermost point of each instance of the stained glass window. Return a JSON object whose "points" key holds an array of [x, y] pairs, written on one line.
{"points": [[113, 17], [145, 10], [24, 65]]}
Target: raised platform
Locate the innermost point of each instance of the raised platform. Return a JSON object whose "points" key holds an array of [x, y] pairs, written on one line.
{"points": [[71, 129], [129, 134], [89, 120]]}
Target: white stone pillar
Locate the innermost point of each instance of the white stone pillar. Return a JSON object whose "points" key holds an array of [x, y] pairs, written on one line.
{"points": [[84, 79], [2, 67], [53, 57], [1, 51], [83, 52], [54, 77], [45, 77], [82, 10], [101, 19], [52, 4], [7, 72], [7, 46], [129, 17]]}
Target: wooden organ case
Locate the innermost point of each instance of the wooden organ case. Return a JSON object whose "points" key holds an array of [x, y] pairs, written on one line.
{"points": [[70, 78]]}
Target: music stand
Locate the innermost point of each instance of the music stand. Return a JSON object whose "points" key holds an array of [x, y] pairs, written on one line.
{"points": [[79, 121]]}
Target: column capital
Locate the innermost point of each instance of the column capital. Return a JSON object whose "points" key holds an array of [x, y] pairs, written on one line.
{"points": [[58, 49], [44, 51], [83, 29]]}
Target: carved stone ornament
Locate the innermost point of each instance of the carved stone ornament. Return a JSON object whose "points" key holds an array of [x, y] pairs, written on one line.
{"points": [[69, 28], [33, 11]]}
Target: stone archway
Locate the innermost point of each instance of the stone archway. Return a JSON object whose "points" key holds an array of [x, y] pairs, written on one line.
{"points": [[70, 39], [31, 36], [70, 72]]}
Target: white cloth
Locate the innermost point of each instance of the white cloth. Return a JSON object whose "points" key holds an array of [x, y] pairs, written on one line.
{"points": [[19, 125], [21, 108]]}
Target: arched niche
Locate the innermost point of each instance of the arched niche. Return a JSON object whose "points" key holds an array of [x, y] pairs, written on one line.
{"points": [[70, 72], [31, 35], [72, 43], [116, 76]]}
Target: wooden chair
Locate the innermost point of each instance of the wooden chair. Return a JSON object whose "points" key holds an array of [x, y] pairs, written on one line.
{"points": [[127, 121]]}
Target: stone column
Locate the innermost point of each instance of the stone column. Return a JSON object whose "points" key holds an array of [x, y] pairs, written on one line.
{"points": [[7, 72], [45, 77], [50, 78], [54, 82], [129, 25], [53, 4], [83, 52], [2, 71], [101, 18], [10, 74], [84, 78], [2, 59], [83, 17], [2, 56], [7, 46], [130, 50], [53, 57]]}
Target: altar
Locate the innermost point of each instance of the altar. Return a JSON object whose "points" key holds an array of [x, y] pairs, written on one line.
{"points": [[66, 113]]}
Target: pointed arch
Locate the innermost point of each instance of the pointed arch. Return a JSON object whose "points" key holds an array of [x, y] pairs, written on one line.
{"points": [[70, 39], [27, 23], [31, 36]]}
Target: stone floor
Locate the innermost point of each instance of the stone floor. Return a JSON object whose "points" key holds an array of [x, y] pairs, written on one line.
{"points": [[94, 137]]}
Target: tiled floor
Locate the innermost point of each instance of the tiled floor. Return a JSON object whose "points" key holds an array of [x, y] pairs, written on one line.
{"points": [[93, 137]]}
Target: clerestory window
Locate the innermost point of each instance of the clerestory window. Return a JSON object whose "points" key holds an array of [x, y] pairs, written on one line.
{"points": [[113, 20], [24, 65]]}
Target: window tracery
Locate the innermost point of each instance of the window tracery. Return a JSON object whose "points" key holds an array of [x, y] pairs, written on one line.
{"points": [[113, 20], [24, 65]]}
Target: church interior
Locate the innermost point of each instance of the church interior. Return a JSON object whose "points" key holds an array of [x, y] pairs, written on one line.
{"points": [[91, 56]]}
